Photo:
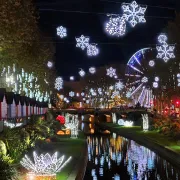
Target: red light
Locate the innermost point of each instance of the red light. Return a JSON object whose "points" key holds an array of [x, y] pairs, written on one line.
{"points": [[177, 102]]}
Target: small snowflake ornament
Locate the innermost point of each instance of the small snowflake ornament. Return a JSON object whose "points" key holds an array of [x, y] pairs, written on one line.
{"points": [[71, 94], [92, 50], [58, 83], [92, 70], [82, 42], [61, 31], [49, 64], [128, 94], [82, 73], [119, 85], [111, 72], [134, 13]]}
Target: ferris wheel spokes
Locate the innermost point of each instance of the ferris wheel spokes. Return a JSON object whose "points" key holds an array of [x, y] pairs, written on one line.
{"points": [[137, 89], [134, 68]]}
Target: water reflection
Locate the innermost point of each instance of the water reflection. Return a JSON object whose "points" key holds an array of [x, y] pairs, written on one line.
{"points": [[115, 157]]}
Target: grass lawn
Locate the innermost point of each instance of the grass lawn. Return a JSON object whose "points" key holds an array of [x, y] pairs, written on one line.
{"points": [[155, 136]]}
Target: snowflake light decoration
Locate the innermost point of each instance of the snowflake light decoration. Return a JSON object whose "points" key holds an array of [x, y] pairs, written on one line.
{"points": [[128, 94], [82, 42], [58, 83], [92, 70], [165, 51], [134, 13], [92, 50], [45, 164], [71, 94], [116, 26], [144, 80], [49, 64], [119, 85], [155, 84], [114, 94], [82, 73], [111, 72], [61, 31]]}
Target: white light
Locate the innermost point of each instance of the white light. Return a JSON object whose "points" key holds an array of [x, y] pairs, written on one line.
{"points": [[156, 79], [145, 122], [92, 50], [144, 80], [92, 70], [82, 73], [44, 164], [71, 94], [61, 31], [121, 122], [151, 63], [82, 94], [111, 87], [128, 123], [111, 72], [77, 94], [128, 94], [71, 78], [58, 83], [49, 64], [82, 42], [12, 125], [165, 51], [119, 85], [155, 84], [134, 13], [61, 96], [162, 38], [178, 75], [116, 26]]}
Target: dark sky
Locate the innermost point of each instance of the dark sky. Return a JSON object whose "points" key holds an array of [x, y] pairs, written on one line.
{"points": [[69, 59]]}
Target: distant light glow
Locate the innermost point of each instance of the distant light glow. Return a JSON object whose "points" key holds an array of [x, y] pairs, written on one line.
{"points": [[82, 73], [151, 63], [71, 78], [92, 70], [49, 64]]}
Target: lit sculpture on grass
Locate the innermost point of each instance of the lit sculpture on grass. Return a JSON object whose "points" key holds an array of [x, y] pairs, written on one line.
{"points": [[73, 126], [12, 125], [145, 122], [121, 122], [44, 165]]}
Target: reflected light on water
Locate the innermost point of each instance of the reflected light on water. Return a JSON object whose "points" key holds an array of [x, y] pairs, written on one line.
{"points": [[115, 157]]}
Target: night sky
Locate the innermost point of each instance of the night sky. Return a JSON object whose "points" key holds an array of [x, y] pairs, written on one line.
{"points": [[68, 58]]}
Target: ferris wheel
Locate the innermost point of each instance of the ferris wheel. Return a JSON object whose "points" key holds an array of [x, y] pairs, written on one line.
{"points": [[141, 77]]}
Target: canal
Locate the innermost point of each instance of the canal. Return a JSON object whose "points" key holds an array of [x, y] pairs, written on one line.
{"points": [[111, 156]]}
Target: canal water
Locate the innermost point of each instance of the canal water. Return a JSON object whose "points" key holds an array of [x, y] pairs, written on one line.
{"points": [[112, 157]]}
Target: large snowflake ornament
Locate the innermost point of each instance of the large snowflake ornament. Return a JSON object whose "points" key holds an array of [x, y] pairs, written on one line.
{"points": [[82, 42], [61, 31], [58, 83], [116, 26], [92, 50], [111, 72], [119, 85], [134, 13], [165, 52]]}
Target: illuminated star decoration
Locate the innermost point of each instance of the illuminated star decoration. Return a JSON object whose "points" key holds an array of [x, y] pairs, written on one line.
{"points": [[111, 72], [61, 31], [49, 64], [92, 50], [82, 42], [92, 70], [165, 51], [119, 85], [134, 13], [58, 83], [116, 26], [82, 73], [44, 164]]}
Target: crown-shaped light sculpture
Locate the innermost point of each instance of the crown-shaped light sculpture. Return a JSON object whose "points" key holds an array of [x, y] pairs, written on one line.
{"points": [[44, 165]]}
